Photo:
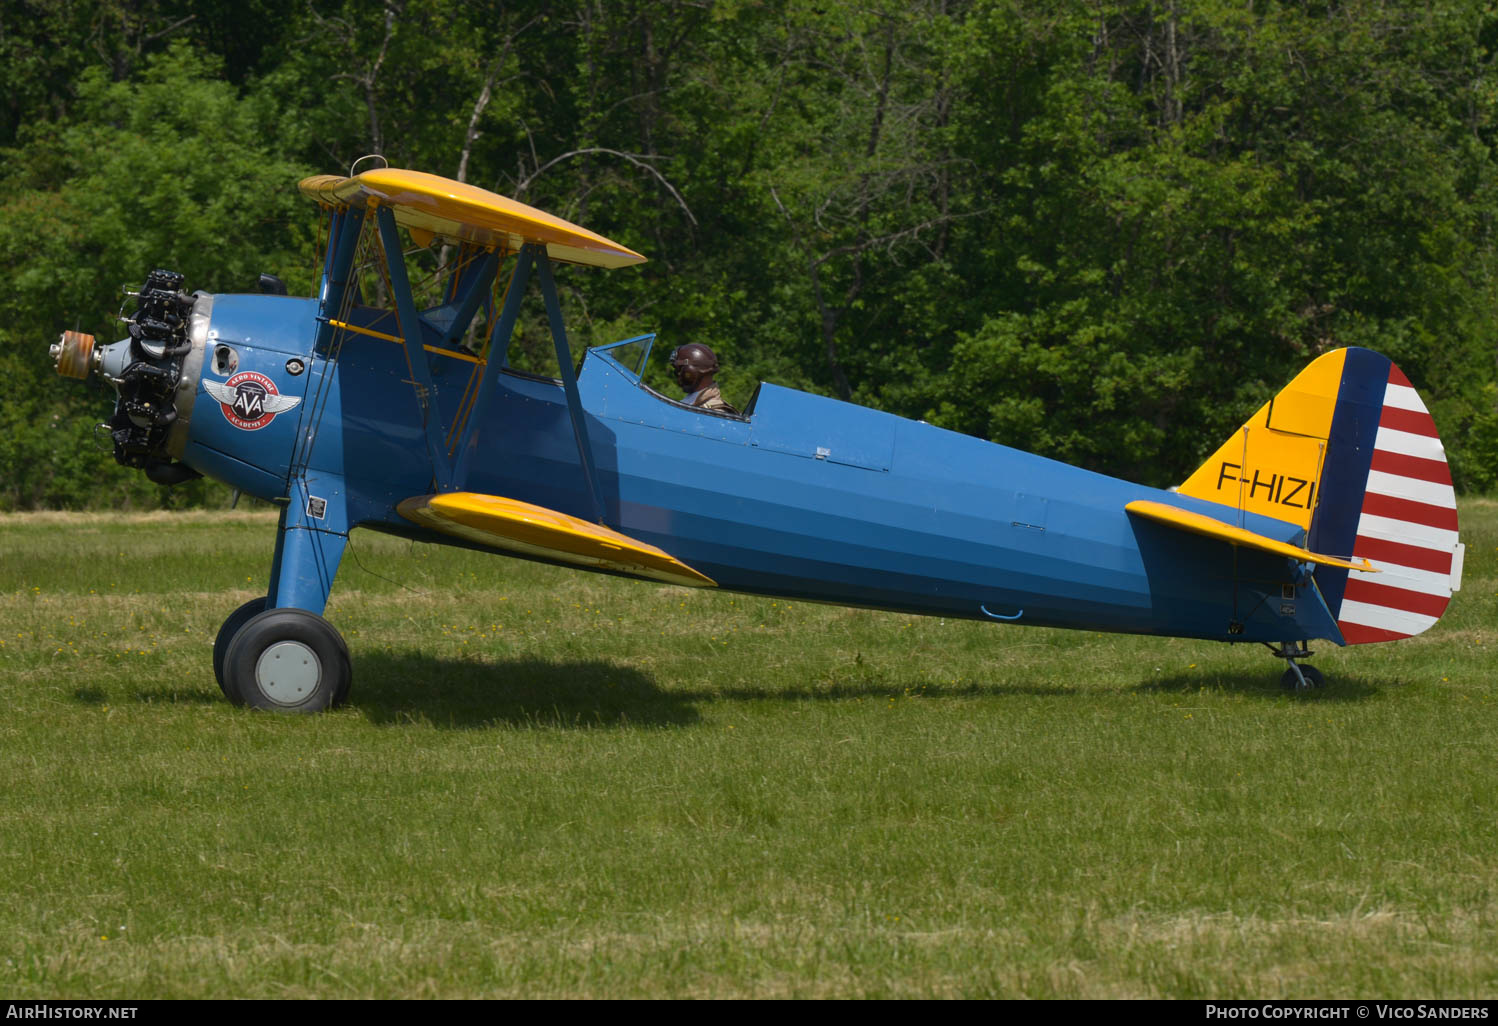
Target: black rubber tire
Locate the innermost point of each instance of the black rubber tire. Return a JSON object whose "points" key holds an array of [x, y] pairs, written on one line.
{"points": [[236, 620], [1313, 677], [315, 677]]}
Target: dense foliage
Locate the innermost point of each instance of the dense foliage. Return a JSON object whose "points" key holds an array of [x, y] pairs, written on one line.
{"points": [[1102, 230]]}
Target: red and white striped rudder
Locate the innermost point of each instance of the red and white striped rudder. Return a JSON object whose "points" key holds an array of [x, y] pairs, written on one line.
{"points": [[1406, 528]]}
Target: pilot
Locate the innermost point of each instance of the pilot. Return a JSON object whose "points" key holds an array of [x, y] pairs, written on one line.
{"points": [[694, 366]]}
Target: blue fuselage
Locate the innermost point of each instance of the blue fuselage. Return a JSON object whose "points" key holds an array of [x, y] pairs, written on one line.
{"points": [[803, 496]]}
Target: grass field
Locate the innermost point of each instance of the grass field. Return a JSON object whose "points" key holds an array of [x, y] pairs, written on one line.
{"points": [[551, 783]]}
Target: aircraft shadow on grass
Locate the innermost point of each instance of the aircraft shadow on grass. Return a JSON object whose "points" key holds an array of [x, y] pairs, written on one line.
{"points": [[1344, 689], [858, 690], [403, 688], [410, 687]]}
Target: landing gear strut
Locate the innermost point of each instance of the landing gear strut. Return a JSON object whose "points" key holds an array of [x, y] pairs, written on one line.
{"points": [[1297, 677]]}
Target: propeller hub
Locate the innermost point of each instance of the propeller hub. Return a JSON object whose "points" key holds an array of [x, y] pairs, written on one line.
{"points": [[73, 355]]}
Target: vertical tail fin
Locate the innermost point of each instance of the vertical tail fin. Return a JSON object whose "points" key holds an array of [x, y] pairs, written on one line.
{"points": [[1349, 453]]}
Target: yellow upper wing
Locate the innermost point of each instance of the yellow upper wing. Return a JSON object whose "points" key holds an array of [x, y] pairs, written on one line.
{"points": [[434, 206]]}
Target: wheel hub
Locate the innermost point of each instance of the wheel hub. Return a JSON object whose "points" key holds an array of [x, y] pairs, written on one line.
{"points": [[287, 672]]}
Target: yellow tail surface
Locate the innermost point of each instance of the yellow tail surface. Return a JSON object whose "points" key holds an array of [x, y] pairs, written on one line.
{"points": [[1273, 464]]}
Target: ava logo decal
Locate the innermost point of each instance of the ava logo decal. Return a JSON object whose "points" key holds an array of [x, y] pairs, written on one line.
{"points": [[250, 400]]}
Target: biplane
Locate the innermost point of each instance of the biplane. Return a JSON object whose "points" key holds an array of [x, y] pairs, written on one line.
{"points": [[387, 404]]}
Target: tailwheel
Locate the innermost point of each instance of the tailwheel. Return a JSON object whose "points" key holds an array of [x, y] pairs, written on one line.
{"points": [[1306, 677], [236, 620], [1298, 676], [287, 660]]}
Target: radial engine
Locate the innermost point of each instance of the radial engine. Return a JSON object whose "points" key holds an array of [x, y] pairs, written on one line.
{"points": [[154, 370]]}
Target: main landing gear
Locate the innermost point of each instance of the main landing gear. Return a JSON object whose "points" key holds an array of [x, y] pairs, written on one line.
{"points": [[1297, 677], [286, 660]]}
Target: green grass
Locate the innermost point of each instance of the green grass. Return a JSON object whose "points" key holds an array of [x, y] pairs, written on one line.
{"points": [[552, 783]]}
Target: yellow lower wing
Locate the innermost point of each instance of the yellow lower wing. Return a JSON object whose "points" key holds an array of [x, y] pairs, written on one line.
{"points": [[1197, 523], [512, 526]]}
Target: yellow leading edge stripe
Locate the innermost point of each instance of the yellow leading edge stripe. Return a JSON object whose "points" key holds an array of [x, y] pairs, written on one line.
{"points": [[510, 525], [1197, 523]]}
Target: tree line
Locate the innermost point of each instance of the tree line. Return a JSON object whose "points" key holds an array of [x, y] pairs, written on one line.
{"points": [[1100, 230]]}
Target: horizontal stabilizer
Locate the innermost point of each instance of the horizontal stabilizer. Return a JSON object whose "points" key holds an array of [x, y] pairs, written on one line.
{"points": [[1198, 523], [509, 525]]}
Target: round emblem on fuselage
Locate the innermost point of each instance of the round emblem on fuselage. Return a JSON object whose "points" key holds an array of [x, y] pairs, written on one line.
{"points": [[250, 400]]}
